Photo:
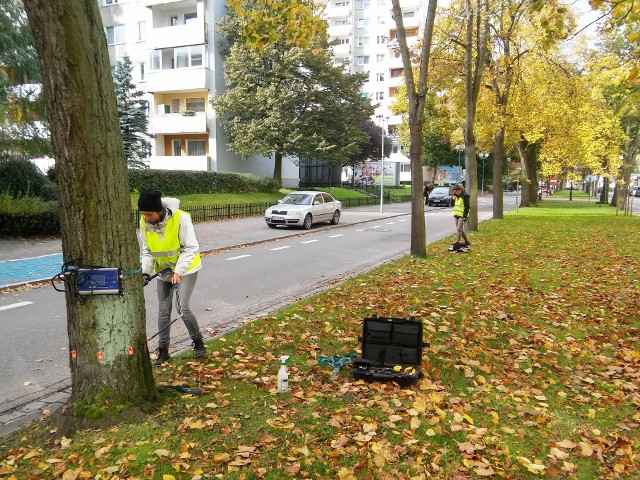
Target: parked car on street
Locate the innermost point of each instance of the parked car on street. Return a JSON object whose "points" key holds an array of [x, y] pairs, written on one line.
{"points": [[303, 209], [441, 196]]}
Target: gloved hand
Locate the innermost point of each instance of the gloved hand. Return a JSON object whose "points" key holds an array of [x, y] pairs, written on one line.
{"points": [[146, 278]]}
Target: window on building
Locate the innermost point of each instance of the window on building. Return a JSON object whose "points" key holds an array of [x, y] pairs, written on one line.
{"points": [[340, 23], [181, 56], [342, 4], [187, 56], [396, 72], [344, 41], [395, 149], [142, 31], [177, 147], [340, 60], [142, 66], [381, 39], [110, 2], [362, 60], [195, 104], [173, 21], [363, 4], [393, 92], [362, 41], [380, 58], [196, 55], [115, 34], [154, 59], [196, 148], [410, 14], [381, 3], [190, 18], [382, 20], [404, 167], [363, 22], [379, 95], [379, 77]]}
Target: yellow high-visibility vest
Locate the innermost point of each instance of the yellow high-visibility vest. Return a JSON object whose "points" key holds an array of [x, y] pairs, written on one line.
{"points": [[458, 207], [166, 251]]}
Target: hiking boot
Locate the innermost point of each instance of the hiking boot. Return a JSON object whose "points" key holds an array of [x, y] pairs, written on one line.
{"points": [[199, 350], [454, 247], [163, 356]]}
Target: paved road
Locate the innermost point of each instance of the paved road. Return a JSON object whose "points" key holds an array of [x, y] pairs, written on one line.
{"points": [[212, 236]]}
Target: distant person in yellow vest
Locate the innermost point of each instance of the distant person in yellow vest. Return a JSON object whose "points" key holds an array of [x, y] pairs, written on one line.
{"points": [[168, 241], [461, 209]]}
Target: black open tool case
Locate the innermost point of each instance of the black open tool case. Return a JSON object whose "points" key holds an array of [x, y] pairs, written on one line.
{"points": [[391, 351]]}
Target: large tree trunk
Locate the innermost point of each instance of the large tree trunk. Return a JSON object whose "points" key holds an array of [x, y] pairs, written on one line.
{"points": [[277, 167], [107, 333], [416, 95], [498, 163], [477, 26], [528, 182]]}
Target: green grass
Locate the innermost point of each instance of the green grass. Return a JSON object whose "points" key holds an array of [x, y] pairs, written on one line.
{"points": [[195, 200], [533, 367]]}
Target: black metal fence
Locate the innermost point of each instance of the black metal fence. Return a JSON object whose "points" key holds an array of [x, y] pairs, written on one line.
{"points": [[48, 223]]}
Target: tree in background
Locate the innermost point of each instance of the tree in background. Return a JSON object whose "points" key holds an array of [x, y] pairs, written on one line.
{"points": [[370, 149], [287, 99], [132, 112], [109, 360], [416, 101], [24, 129]]}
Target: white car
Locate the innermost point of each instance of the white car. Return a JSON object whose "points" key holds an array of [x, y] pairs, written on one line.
{"points": [[303, 209]]}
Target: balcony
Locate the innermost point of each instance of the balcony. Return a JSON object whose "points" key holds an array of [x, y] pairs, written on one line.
{"points": [[339, 30], [178, 80], [174, 123], [341, 50], [176, 36], [199, 163], [338, 12]]}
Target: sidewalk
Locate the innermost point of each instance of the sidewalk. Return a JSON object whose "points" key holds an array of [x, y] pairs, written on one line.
{"points": [[27, 260]]}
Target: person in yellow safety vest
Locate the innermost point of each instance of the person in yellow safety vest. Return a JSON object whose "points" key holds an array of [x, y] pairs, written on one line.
{"points": [[168, 242], [461, 209]]}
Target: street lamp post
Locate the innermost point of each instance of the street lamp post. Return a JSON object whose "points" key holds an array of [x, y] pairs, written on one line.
{"points": [[382, 122], [508, 165]]}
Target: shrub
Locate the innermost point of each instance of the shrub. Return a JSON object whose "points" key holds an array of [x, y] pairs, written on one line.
{"points": [[177, 182], [19, 177]]}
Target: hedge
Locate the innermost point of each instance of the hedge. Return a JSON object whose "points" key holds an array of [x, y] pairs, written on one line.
{"points": [[179, 182]]}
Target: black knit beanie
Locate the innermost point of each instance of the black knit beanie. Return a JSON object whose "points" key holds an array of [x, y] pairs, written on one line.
{"points": [[150, 201]]}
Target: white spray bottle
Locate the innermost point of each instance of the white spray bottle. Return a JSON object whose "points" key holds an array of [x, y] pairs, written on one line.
{"points": [[283, 375]]}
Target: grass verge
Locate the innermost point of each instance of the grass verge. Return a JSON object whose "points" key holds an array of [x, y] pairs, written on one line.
{"points": [[533, 370]]}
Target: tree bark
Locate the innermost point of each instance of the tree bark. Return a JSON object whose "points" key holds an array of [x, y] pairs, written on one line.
{"points": [[277, 167], [527, 152], [109, 360]]}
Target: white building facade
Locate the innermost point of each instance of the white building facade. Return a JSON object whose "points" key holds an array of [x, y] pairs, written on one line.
{"points": [[364, 38], [174, 48]]}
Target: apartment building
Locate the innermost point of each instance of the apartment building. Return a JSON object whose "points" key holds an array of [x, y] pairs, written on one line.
{"points": [[174, 47], [364, 38]]}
